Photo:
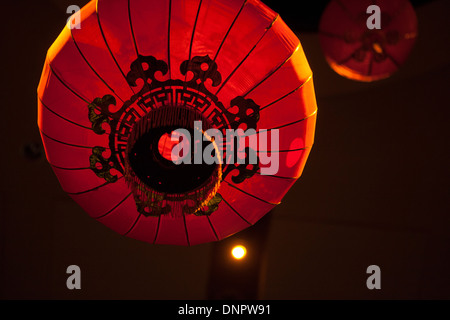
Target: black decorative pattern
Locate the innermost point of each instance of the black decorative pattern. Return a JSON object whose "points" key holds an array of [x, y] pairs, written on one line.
{"points": [[203, 68], [154, 93], [245, 170], [212, 206], [97, 119], [101, 166], [243, 116]]}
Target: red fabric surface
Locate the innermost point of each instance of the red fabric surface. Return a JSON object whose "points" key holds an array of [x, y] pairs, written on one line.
{"points": [[344, 34], [258, 57]]}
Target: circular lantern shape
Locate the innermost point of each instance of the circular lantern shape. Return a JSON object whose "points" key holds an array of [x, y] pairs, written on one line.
{"points": [[116, 88], [358, 52]]}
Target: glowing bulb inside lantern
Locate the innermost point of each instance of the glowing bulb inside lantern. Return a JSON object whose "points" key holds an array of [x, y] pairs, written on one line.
{"points": [[377, 48], [239, 252]]}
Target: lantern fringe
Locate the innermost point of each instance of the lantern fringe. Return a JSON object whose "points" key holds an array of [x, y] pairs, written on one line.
{"points": [[151, 202]]}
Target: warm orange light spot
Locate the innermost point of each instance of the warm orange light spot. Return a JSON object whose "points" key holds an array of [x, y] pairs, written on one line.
{"points": [[239, 252], [352, 74], [167, 142], [377, 48], [410, 35]]}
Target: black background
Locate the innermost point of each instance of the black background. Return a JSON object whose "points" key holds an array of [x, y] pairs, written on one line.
{"points": [[374, 190]]}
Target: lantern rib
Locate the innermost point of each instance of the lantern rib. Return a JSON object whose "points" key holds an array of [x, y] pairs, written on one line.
{"points": [[157, 229], [235, 211], [132, 30], [69, 169], [114, 208], [212, 228], [134, 224], [135, 44], [251, 195], [229, 29], [245, 58], [273, 71], [397, 64], [92, 68], [122, 112], [92, 189], [66, 85], [284, 125], [109, 49], [193, 31], [279, 177], [185, 230], [292, 123], [347, 12], [68, 144], [369, 69], [288, 94], [346, 59], [58, 115], [282, 151], [168, 39], [190, 45]]}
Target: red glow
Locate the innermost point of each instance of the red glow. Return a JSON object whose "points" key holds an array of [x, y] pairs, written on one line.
{"points": [[354, 51], [89, 73]]}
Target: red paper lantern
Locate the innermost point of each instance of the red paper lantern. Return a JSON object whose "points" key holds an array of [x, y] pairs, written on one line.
{"points": [[113, 90], [359, 53]]}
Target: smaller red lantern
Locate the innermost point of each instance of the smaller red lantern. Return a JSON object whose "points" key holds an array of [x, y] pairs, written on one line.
{"points": [[357, 50]]}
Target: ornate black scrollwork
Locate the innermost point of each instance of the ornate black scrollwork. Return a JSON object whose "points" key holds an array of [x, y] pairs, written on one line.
{"points": [[154, 93], [145, 68], [212, 206], [102, 105], [152, 207], [101, 166], [245, 169], [248, 113], [203, 68]]}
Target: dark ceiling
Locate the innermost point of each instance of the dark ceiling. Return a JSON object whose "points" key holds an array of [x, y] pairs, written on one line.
{"points": [[306, 18], [374, 191]]}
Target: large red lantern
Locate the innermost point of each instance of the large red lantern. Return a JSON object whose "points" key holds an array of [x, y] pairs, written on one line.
{"points": [[357, 50], [114, 90]]}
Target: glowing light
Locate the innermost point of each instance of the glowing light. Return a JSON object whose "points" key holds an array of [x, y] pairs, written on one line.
{"points": [[238, 252], [377, 48]]}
